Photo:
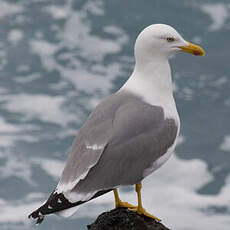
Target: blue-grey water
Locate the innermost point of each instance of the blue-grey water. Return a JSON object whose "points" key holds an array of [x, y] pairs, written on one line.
{"points": [[59, 58]]}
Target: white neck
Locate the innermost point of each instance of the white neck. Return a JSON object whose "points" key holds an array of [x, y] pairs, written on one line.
{"points": [[152, 80], [153, 83]]}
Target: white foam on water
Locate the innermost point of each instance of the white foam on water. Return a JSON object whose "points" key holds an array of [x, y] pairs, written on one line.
{"points": [[7, 9], [15, 165], [225, 145], [40, 106], [218, 12], [15, 36], [52, 167]]}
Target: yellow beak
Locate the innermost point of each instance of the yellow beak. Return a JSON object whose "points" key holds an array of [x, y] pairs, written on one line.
{"points": [[194, 49]]}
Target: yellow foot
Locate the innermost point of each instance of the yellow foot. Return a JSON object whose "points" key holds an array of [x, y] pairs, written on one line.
{"points": [[122, 204], [142, 211]]}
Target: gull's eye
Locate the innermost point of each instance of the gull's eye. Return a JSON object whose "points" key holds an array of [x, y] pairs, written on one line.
{"points": [[170, 39]]}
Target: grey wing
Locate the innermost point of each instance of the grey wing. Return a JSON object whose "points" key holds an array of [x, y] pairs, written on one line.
{"points": [[141, 136], [86, 151], [88, 146]]}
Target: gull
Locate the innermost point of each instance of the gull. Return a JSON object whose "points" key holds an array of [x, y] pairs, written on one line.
{"points": [[129, 134]]}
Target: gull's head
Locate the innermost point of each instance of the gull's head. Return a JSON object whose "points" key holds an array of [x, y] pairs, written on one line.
{"points": [[159, 41]]}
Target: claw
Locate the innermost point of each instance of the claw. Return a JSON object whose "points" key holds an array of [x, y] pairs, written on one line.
{"points": [[142, 211], [122, 204]]}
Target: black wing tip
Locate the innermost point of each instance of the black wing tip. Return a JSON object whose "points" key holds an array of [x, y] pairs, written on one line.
{"points": [[56, 202], [37, 215]]}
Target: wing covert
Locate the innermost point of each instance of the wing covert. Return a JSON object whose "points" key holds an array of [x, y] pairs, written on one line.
{"points": [[141, 136]]}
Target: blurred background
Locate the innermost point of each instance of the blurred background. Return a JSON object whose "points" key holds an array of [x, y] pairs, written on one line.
{"points": [[59, 58]]}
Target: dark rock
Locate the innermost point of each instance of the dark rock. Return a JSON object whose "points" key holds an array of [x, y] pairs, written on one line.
{"points": [[124, 219]]}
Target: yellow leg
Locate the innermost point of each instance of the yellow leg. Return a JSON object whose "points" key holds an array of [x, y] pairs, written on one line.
{"points": [[140, 208], [119, 203]]}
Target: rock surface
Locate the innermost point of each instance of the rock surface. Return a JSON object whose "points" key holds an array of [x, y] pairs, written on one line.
{"points": [[124, 219]]}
